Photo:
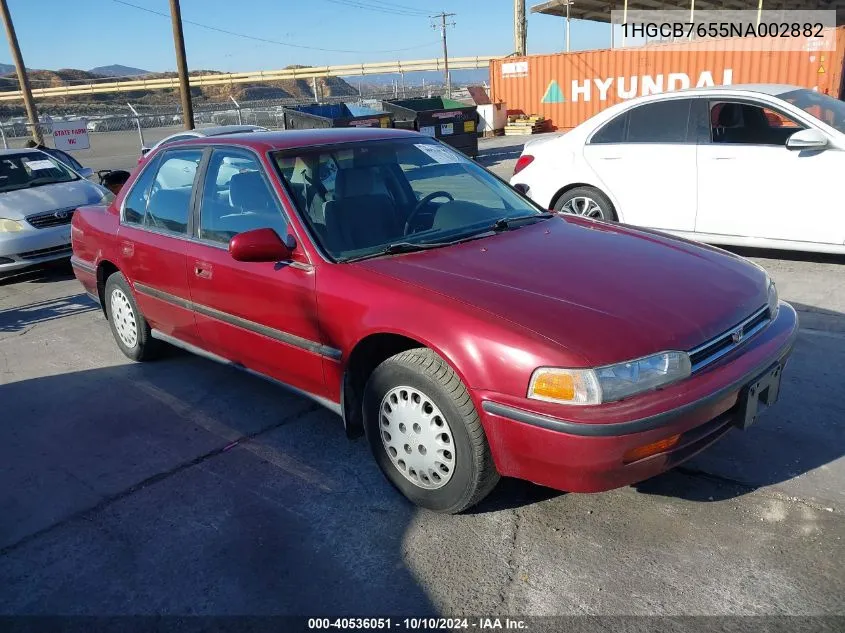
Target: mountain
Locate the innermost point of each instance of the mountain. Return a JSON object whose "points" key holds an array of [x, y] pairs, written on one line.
{"points": [[101, 103], [6, 68], [115, 70]]}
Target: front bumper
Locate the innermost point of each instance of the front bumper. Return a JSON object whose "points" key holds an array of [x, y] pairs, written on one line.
{"points": [[585, 451], [33, 246]]}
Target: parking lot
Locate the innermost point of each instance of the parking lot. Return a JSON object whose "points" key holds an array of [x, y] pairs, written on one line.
{"points": [[185, 487]]}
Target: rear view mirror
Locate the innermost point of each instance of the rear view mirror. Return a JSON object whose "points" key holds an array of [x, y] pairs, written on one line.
{"points": [[806, 139], [86, 172], [260, 245]]}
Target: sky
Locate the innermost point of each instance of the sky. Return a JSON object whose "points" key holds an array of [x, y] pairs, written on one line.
{"points": [[88, 33]]}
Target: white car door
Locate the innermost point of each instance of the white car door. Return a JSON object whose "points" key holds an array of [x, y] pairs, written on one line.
{"points": [[751, 185], [645, 158]]}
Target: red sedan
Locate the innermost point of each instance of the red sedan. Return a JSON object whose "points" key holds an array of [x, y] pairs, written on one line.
{"points": [[468, 333]]}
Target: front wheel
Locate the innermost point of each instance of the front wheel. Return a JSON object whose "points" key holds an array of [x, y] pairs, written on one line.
{"points": [[425, 433], [588, 202]]}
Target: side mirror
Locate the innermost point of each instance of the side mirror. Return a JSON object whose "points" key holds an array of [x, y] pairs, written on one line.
{"points": [[807, 139], [261, 245], [86, 172]]}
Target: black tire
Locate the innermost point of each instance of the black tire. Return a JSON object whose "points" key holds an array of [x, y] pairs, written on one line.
{"points": [[474, 474], [608, 213], [146, 347]]}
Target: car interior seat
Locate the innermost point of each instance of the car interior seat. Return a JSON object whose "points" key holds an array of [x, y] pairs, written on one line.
{"points": [[360, 215], [730, 124], [168, 209]]}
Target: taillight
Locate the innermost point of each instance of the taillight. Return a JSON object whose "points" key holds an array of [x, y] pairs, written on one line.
{"points": [[522, 163]]}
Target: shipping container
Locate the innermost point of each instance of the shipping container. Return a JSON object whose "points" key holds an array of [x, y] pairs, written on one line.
{"points": [[569, 88], [452, 122], [323, 115]]}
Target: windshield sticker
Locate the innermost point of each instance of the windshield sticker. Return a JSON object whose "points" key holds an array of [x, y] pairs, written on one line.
{"points": [[428, 130], [439, 154], [37, 165]]}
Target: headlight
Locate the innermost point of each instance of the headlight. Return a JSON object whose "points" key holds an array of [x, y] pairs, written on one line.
{"points": [[608, 383], [10, 226], [773, 299]]}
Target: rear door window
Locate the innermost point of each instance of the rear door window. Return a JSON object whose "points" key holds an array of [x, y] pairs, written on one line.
{"points": [[659, 122], [169, 204], [135, 203]]}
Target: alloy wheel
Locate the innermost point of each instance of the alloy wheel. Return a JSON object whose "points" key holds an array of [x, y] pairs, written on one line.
{"points": [[584, 205]]}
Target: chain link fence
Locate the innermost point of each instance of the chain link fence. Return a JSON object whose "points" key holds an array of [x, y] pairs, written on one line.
{"points": [[116, 133]]}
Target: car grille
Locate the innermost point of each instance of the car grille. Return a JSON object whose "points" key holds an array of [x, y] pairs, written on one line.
{"points": [[46, 220], [43, 252], [728, 341]]}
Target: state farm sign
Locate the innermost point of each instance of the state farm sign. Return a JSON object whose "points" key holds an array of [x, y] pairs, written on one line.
{"points": [[70, 135]]}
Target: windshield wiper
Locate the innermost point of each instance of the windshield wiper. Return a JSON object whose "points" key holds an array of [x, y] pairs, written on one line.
{"points": [[396, 248], [505, 224]]}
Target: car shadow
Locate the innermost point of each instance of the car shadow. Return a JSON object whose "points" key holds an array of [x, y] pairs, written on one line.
{"points": [[186, 487], [44, 273], [794, 256], [14, 320]]}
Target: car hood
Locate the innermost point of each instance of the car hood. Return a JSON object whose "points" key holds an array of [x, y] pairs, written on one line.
{"points": [[16, 205], [605, 292]]}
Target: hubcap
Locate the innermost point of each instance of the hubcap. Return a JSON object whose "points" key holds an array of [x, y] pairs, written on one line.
{"points": [[123, 318], [584, 205], [417, 438]]}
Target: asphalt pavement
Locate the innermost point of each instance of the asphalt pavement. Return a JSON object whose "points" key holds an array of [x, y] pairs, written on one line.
{"points": [[184, 487]]}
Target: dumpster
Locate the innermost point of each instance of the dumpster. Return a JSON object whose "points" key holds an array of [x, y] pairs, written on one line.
{"points": [[449, 121], [320, 115]]}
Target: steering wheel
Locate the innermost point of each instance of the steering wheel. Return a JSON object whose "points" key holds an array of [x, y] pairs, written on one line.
{"points": [[422, 204]]}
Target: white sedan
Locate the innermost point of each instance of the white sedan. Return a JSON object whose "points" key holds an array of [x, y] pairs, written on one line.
{"points": [[745, 165]]}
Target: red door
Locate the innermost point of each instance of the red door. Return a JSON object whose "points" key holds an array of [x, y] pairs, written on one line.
{"points": [[153, 239], [260, 315]]}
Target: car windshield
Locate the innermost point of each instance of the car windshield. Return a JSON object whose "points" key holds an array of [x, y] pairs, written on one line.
{"points": [[397, 195], [824, 107], [32, 169]]}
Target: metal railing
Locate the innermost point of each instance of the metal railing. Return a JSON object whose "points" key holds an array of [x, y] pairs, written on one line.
{"points": [[349, 70]]}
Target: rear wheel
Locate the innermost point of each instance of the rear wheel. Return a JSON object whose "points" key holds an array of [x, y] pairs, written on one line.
{"points": [[129, 327], [588, 202], [425, 433]]}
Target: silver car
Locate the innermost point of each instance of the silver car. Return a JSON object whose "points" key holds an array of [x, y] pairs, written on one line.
{"points": [[38, 195]]}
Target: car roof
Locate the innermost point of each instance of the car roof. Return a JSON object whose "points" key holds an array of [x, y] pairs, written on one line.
{"points": [[225, 129], [290, 139], [732, 89], [11, 151]]}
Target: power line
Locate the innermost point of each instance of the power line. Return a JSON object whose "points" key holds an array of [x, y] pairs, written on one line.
{"points": [[265, 40], [381, 8]]}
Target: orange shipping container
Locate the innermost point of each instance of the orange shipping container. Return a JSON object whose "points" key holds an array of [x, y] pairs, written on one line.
{"points": [[568, 88]]}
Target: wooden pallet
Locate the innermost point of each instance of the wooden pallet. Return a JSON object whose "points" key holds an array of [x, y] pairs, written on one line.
{"points": [[522, 125], [519, 125]]}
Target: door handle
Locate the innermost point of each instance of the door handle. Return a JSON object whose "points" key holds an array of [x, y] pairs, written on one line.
{"points": [[724, 157], [610, 157], [127, 248], [202, 270]]}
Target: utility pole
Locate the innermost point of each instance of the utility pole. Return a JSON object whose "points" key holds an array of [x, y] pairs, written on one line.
{"points": [[23, 80], [443, 15], [520, 27], [182, 65]]}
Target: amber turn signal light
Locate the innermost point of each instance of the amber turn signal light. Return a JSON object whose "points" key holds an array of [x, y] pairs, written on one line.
{"points": [[641, 452]]}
